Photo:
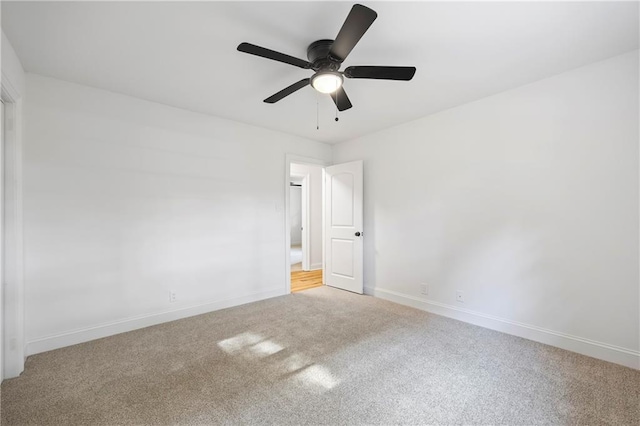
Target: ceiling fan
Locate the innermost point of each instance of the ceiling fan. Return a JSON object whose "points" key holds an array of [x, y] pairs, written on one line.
{"points": [[326, 57]]}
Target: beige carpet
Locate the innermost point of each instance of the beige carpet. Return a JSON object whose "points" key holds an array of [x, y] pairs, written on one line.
{"points": [[322, 356]]}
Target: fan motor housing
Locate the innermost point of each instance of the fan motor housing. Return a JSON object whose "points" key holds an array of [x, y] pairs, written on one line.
{"points": [[318, 55]]}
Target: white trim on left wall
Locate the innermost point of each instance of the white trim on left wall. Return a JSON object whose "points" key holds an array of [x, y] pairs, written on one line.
{"points": [[13, 269], [11, 91]]}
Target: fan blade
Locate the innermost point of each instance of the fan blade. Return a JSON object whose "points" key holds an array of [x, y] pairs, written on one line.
{"points": [[341, 99], [287, 91], [381, 73], [357, 23], [252, 49]]}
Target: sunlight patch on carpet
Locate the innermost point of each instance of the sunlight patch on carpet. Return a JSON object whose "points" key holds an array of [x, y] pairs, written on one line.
{"points": [[265, 348], [249, 344], [238, 343], [317, 376]]}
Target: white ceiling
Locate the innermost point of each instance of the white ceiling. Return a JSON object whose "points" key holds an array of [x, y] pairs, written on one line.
{"points": [[184, 54]]}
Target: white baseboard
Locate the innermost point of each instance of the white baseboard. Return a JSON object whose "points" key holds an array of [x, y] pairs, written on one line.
{"points": [[74, 337], [603, 351], [315, 266]]}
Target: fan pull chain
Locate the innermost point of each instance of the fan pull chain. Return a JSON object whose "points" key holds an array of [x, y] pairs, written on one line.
{"points": [[317, 113], [337, 93]]}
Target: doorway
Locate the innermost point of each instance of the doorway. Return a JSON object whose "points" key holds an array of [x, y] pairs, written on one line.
{"points": [[331, 230], [305, 223]]}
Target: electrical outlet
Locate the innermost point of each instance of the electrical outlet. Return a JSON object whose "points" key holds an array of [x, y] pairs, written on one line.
{"points": [[459, 296], [424, 289], [172, 296]]}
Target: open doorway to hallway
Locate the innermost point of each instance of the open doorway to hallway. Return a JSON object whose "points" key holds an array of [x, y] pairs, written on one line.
{"points": [[305, 221]]}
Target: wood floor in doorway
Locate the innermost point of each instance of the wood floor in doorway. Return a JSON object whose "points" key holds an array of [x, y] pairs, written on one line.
{"points": [[304, 280]]}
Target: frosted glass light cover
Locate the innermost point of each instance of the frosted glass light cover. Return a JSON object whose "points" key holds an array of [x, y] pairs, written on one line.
{"points": [[327, 82]]}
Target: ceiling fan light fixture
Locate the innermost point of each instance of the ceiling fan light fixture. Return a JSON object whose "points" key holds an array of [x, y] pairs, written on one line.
{"points": [[326, 56], [327, 81]]}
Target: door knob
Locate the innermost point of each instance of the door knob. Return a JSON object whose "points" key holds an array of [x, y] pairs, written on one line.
{"points": [[357, 234]]}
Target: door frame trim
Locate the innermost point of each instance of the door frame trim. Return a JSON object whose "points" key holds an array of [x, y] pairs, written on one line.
{"points": [[291, 158]]}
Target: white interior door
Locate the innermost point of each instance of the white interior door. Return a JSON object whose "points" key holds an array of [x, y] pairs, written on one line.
{"points": [[343, 226]]}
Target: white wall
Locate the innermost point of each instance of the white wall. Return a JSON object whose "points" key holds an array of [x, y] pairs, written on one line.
{"points": [[126, 200], [314, 174], [295, 213], [527, 201]]}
